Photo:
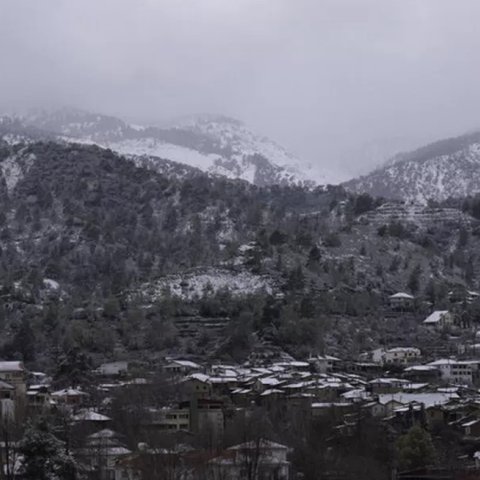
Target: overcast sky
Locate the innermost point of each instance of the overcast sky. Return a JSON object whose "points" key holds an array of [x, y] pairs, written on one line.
{"points": [[338, 82]]}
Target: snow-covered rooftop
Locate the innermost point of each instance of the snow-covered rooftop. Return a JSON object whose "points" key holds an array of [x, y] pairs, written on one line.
{"points": [[435, 317]]}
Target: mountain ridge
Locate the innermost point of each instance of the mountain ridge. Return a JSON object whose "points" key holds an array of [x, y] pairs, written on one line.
{"points": [[448, 168], [215, 144]]}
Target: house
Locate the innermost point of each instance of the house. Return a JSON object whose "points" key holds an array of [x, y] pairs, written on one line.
{"points": [[199, 384], [70, 397], [38, 399], [396, 356], [401, 301], [7, 391], [258, 459], [374, 408], [100, 454], [464, 372], [196, 415], [439, 320], [112, 369], [14, 373], [91, 416], [179, 462], [168, 419], [324, 363], [266, 383], [181, 367], [471, 428], [386, 385], [391, 402], [7, 403], [422, 373]]}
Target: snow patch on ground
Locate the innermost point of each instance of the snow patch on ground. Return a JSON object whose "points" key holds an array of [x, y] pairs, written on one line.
{"points": [[196, 284], [14, 169], [169, 151]]}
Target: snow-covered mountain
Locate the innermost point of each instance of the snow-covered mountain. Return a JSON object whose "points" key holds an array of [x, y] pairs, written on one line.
{"points": [[214, 144], [444, 169]]}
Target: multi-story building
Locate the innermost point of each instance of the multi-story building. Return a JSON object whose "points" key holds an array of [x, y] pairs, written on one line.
{"points": [[397, 355], [458, 371], [14, 373]]}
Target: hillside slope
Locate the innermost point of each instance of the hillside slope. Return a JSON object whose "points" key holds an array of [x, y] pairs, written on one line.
{"points": [[100, 254], [446, 169]]}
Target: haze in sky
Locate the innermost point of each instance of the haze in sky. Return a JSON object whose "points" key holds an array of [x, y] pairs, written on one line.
{"points": [[341, 83]]}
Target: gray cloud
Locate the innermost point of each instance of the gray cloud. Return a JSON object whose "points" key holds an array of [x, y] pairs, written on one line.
{"points": [[339, 82]]}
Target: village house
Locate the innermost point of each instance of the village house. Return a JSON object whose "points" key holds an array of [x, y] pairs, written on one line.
{"points": [[464, 372], [113, 369], [167, 418], [14, 373], [266, 383], [38, 399], [367, 369], [181, 367], [179, 462], [70, 398], [401, 301], [267, 459], [199, 384], [7, 391], [195, 415], [422, 373], [396, 356], [399, 400], [92, 417], [324, 363], [101, 453], [439, 319], [7, 402], [471, 428], [386, 385]]}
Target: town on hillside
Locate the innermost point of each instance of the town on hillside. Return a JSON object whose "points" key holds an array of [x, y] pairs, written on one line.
{"points": [[413, 410]]}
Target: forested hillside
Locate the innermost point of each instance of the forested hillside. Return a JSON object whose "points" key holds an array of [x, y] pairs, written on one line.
{"points": [[104, 256]]}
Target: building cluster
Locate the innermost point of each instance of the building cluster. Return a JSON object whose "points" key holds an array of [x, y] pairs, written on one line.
{"points": [[211, 397], [119, 419]]}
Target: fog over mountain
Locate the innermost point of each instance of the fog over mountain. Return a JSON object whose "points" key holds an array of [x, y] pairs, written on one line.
{"points": [[341, 84]]}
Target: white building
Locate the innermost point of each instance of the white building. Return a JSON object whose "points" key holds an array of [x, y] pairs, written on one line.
{"points": [[397, 355], [457, 371]]}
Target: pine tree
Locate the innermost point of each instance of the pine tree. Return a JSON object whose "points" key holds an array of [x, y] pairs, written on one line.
{"points": [[415, 449], [44, 456]]}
